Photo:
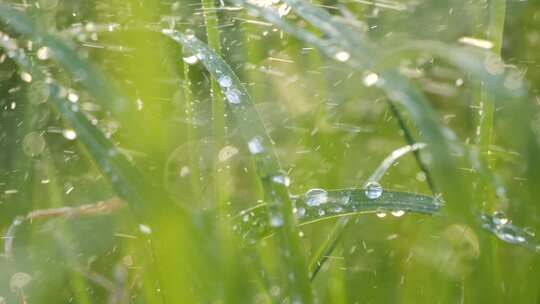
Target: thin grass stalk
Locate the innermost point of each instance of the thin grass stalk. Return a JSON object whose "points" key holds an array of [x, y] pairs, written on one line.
{"points": [[220, 172], [486, 117]]}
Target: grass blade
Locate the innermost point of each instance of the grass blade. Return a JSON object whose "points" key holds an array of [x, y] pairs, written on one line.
{"points": [[268, 167]]}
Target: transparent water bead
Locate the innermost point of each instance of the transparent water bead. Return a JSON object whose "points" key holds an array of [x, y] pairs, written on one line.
{"points": [[398, 213], [499, 218], [233, 96], [509, 234], [43, 53], [255, 145], [281, 179], [342, 56], [373, 190], [315, 197], [380, 214], [370, 79], [504, 230], [276, 221], [145, 229], [225, 81], [190, 59], [69, 134]]}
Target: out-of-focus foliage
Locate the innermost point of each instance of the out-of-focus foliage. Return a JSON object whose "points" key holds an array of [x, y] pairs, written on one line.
{"points": [[214, 134]]}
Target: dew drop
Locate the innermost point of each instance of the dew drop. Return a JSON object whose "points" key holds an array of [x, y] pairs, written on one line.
{"points": [[69, 134], [145, 229], [233, 96], [191, 59], [509, 235], [276, 221], [43, 53], [373, 190], [26, 77], [499, 218], [398, 213], [73, 97], [342, 56], [316, 196], [281, 179], [255, 145], [370, 79], [225, 81]]}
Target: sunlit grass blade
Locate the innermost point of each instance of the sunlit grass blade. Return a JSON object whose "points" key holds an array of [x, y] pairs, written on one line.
{"points": [[332, 204], [260, 145]]}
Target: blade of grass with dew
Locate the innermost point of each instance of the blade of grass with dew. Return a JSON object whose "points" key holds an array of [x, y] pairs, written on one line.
{"points": [[335, 234], [486, 112], [220, 171], [359, 53], [333, 204], [272, 177], [128, 183]]}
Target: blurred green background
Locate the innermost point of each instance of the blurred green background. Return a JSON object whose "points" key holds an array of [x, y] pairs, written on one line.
{"points": [[329, 130]]}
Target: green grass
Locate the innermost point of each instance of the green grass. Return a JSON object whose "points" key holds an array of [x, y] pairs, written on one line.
{"points": [[161, 152]]}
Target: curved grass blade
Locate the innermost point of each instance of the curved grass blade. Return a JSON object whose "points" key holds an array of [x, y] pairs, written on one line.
{"points": [[335, 204], [268, 168], [335, 235]]}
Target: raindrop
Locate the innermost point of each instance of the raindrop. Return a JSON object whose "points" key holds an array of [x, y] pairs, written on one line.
{"points": [[499, 218], [255, 145], [380, 214], [69, 134], [26, 77], [73, 97], [43, 53], [281, 179], [398, 213], [225, 81], [191, 59], [145, 229], [370, 79], [509, 234], [373, 190], [316, 196], [276, 221], [342, 56], [233, 96]]}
